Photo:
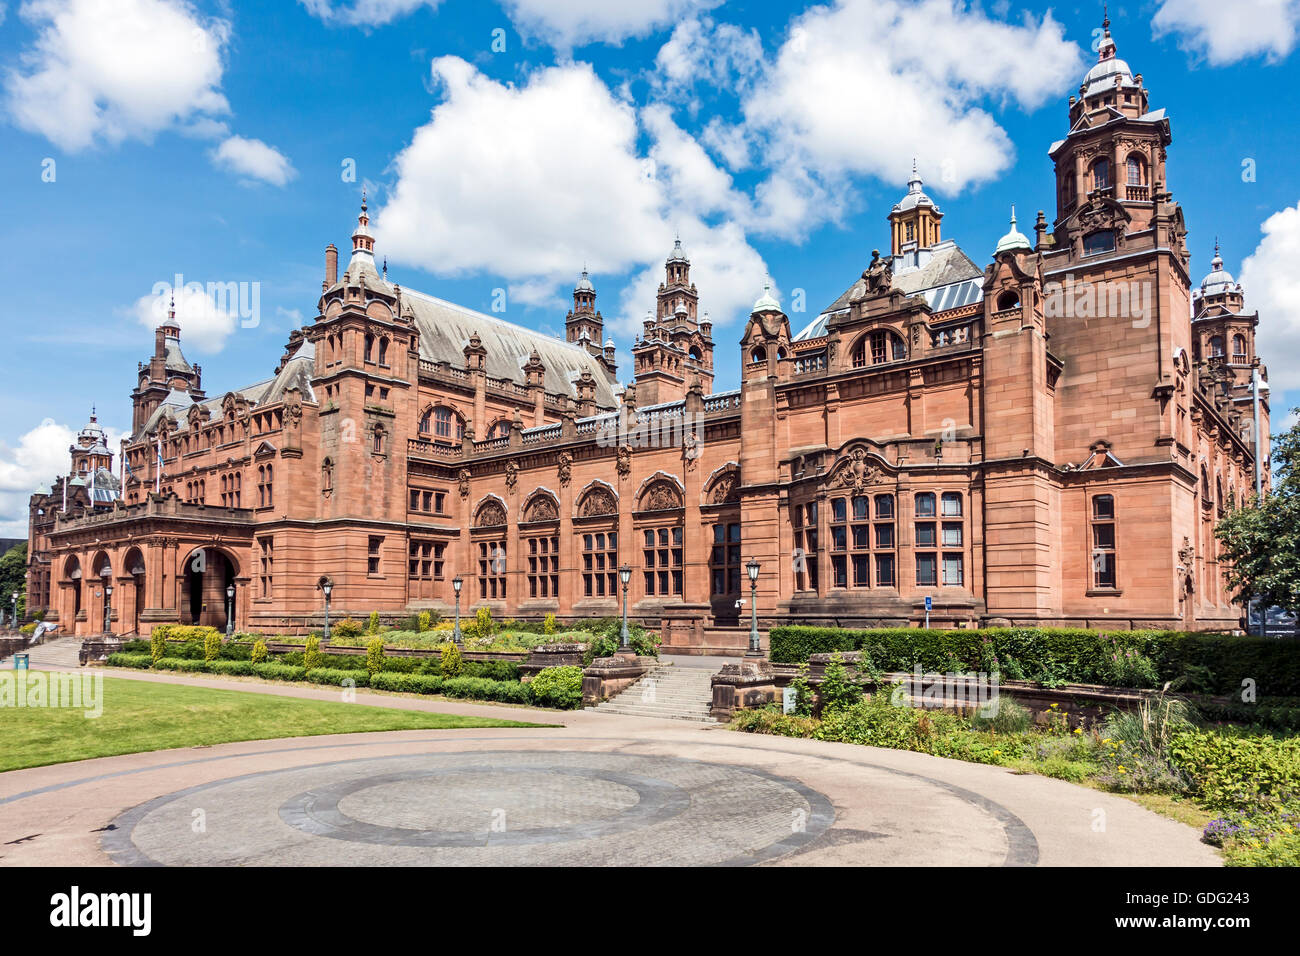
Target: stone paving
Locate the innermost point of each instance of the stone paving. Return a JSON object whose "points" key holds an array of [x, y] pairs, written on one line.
{"points": [[603, 790]]}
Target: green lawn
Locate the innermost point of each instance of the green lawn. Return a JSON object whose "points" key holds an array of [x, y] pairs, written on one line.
{"points": [[144, 715]]}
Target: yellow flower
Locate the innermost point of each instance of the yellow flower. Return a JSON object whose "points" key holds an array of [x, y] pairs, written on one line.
{"points": [[1121, 769]]}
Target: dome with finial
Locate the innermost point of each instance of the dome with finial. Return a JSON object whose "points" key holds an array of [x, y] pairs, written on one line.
{"points": [[1218, 279], [584, 283], [678, 254], [765, 302], [1109, 70], [1014, 239], [915, 194]]}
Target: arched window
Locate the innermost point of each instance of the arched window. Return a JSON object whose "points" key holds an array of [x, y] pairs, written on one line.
{"points": [[1099, 242], [1100, 174], [444, 423], [500, 429], [370, 347], [327, 475], [1239, 348], [1009, 300], [383, 351], [1136, 167], [759, 354], [1205, 487], [1216, 346], [379, 440]]}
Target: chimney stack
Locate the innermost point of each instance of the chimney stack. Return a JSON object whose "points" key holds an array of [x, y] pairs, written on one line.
{"points": [[331, 265]]}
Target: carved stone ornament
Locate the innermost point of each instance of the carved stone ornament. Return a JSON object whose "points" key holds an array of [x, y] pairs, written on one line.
{"points": [[565, 469], [1186, 553], [857, 473], [879, 275], [512, 475], [463, 480], [624, 461], [725, 489], [690, 450], [598, 501], [491, 514], [661, 496], [542, 508]]}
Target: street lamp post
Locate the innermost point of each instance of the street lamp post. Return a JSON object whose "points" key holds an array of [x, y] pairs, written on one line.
{"points": [[327, 586], [625, 575], [230, 609], [752, 569], [15, 606], [108, 607], [456, 585]]}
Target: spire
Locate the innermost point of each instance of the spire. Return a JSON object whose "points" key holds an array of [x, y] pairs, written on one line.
{"points": [[1106, 48], [1014, 239], [363, 243]]}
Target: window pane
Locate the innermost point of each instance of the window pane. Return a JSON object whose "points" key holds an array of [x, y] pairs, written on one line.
{"points": [[925, 534], [952, 534], [1103, 506], [925, 505], [838, 513], [951, 504], [884, 506], [926, 575], [952, 569]]}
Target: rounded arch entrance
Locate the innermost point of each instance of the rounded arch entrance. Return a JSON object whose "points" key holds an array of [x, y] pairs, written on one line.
{"points": [[133, 568], [72, 576], [208, 572]]}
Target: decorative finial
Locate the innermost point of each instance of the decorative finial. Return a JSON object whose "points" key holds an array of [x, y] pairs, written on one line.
{"points": [[363, 198], [385, 268], [1013, 215]]}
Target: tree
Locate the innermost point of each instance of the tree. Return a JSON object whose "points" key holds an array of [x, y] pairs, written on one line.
{"points": [[1261, 541], [13, 577]]}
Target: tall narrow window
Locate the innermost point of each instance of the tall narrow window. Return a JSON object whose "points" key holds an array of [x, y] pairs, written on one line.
{"points": [[1104, 573], [544, 567], [662, 561], [600, 564], [266, 563], [724, 559], [492, 570], [327, 476], [373, 550]]}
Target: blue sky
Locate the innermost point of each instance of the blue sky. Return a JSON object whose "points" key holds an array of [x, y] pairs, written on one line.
{"points": [[505, 146]]}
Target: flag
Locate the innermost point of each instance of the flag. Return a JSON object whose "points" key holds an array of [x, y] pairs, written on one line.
{"points": [[157, 478]]}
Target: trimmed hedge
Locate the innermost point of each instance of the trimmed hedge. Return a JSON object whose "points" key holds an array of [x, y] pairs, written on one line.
{"points": [[121, 659], [329, 675], [279, 672], [1219, 663]]}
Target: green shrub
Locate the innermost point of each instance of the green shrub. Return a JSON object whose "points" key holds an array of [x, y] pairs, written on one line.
{"points": [[346, 628], [312, 656], [238, 668], [1220, 663], [337, 677], [122, 659], [375, 656], [1004, 716], [482, 625], [279, 672], [423, 621], [373, 626], [157, 644], [179, 664], [450, 660], [183, 632], [211, 646], [258, 654], [803, 695], [837, 691], [1231, 772], [28, 629], [770, 720], [559, 687], [406, 683], [549, 626]]}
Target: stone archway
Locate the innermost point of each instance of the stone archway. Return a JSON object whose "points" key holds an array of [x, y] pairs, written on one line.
{"points": [[208, 572], [133, 578]]}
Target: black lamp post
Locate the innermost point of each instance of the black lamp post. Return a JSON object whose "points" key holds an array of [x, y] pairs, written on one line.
{"points": [[327, 586], [108, 607], [456, 585], [625, 575], [230, 609], [752, 570], [15, 603]]}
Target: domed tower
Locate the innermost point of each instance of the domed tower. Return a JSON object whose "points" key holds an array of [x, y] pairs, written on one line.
{"points": [[678, 343], [91, 452], [1222, 332], [1110, 169], [914, 220], [584, 325], [166, 371]]}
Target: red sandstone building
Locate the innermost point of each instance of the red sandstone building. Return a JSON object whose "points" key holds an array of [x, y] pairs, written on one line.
{"points": [[1049, 439]]}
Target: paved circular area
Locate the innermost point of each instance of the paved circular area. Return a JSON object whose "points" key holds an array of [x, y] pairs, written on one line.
{"points": [[514, 808]]}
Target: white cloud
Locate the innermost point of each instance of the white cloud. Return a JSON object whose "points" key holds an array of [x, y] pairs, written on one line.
{"points": [[364, 13], [1272, 286], [568, 23], [717, 55], [1225, 33], [254, 159], [489, 185], [40, 456], [861, 87], [112, 71], [205, 325]]}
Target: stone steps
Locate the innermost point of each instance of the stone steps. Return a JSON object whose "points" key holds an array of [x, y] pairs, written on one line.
{"points": [[679, 693]]}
